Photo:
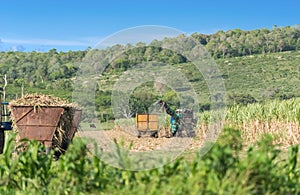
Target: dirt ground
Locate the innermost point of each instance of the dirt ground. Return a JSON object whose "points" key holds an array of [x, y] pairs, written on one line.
{"points": [[131, 141]]}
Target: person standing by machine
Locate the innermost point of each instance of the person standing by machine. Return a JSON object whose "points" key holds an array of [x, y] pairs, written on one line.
{"points": [[176, 115]]}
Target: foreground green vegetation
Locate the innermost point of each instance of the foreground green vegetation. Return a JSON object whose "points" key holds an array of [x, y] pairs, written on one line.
{"points": [[228, 168]]}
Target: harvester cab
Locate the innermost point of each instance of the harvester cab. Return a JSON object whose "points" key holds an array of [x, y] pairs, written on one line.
{"points": [[6, 123]]}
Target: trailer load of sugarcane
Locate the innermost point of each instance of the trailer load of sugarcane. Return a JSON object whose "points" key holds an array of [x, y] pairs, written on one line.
{"points": [[48, 119]]}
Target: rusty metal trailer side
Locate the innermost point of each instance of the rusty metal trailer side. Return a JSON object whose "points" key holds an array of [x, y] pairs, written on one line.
{"points": [[40, 123]]}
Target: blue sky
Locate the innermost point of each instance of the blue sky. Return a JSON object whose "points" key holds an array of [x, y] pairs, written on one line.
{"points": [[74, 25]]}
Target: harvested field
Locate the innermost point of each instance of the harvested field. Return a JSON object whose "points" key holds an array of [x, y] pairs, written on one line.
{"points": [[285, 134], [144, 143]]}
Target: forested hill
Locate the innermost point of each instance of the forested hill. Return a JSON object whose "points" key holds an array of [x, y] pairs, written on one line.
{"points": [[239, 43], [49, 71]]}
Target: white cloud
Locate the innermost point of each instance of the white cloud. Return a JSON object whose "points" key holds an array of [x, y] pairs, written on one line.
{"points": [[45, 42], [17, 48], [92, 40]]}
